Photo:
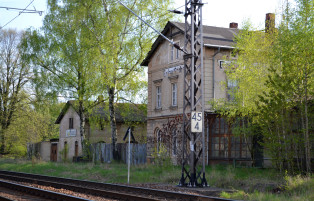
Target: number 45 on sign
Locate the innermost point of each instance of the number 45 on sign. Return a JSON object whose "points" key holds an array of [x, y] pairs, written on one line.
{"points": [[196, 122]]}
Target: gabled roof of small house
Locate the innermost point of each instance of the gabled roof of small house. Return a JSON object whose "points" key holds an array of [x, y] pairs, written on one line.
{"points": [[125, 112], [212, 37]]}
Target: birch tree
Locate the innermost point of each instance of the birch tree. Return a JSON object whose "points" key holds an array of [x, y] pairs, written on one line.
{"points": [[14, 74], [274, 76], [62, 55], [293, 72], [122, 41], [82, 41]]}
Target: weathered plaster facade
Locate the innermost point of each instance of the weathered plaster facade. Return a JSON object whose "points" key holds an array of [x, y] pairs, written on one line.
{"points": [[70, 145], [72, 141], [166, 68]]}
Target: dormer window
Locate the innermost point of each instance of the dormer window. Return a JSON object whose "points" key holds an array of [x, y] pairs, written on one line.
{"points": [[174, 53]]}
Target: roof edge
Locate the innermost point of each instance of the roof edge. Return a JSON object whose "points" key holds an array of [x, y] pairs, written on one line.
{"points": [[158, 41]]}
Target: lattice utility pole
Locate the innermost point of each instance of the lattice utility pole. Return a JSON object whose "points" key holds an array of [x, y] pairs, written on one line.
{"points": [[193, 139]]}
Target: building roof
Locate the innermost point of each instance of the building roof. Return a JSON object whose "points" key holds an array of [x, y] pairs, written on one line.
{"points": [[125, 112], [212, 37]]}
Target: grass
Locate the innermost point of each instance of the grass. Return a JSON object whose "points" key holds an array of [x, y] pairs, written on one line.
{"points": [[110, 173], [247, 183]]}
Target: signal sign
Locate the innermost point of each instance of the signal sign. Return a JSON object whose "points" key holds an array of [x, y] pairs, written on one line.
{"points": [[197, 122]]}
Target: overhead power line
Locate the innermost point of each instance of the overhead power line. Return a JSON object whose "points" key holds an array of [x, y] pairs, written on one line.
{"points": [[167, 39], [23, 11], [28, 10]]}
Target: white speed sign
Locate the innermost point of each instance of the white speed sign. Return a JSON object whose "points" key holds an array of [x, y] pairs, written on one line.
{"points": [[196, 122]]}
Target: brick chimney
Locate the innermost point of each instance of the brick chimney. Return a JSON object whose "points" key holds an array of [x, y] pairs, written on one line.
{"points": [[233, 25], [270, 22]]}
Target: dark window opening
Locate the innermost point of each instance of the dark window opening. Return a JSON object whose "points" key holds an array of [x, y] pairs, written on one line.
{"points": [[76, 149], [224, 144], [70, 123]]}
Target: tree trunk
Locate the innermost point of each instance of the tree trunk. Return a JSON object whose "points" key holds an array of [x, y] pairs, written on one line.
{"points": [[307, 144], [82, 123], [113, 125], [4, 126], [2, 147]]}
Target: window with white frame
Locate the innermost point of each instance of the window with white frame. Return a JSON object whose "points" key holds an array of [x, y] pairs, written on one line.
{"points": [[223, 64], [231, 87], [158, 97], [174, 53], [174, 92], [171, 53], [177, 51]]}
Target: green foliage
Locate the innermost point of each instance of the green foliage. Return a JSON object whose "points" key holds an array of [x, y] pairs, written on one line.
{"points": [[18, 150], [161, 156], [296, 188], [273, 72], [64, 153], [87, 153], [14, 75], [29, 126], [90, 48]]}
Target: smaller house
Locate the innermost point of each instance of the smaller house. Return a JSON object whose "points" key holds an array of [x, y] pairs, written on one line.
{"points": [[97, 127]]}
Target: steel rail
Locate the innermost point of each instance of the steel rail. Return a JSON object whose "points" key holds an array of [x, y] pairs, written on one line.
{"points": [[90, 186], [39, 192], [80, 189], [5, 199]]}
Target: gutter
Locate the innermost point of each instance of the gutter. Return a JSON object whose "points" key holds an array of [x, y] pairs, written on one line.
{"points": [[219, 46]]}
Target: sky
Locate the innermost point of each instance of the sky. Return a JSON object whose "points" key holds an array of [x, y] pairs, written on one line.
{"points": [[215, 12], [221, 13]]}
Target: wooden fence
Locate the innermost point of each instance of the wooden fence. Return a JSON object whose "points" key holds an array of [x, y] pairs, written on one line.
{"points": [[102, 152]]}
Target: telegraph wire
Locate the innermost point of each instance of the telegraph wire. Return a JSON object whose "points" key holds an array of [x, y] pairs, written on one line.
{"points": [[17, 15], [28, 11], [159, 33]]}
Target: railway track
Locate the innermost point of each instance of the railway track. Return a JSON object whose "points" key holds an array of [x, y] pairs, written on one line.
{"points": [[36, 192], [111, 191]]}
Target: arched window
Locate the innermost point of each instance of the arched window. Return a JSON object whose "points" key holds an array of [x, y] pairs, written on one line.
{"points": [[158, 135]]}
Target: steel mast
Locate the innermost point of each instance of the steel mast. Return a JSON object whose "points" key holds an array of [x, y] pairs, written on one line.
{"points": [[193, 139]]}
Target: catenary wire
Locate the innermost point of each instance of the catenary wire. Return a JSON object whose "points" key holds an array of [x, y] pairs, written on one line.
{"points": [[17, 15]]}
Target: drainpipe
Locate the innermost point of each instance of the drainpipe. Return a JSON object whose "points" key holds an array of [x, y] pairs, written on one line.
{"points": [[207, 143], [213, 98], [214, 71]]}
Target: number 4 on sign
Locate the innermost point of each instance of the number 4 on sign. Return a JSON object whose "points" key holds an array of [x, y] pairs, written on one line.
{"points": [[196, 122]]}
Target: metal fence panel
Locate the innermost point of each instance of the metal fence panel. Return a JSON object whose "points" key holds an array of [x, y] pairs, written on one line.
{"points": [[102, 152]]}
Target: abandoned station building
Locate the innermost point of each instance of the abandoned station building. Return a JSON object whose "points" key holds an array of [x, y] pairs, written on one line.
{"points": [[165, 94], [97, 127]]}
